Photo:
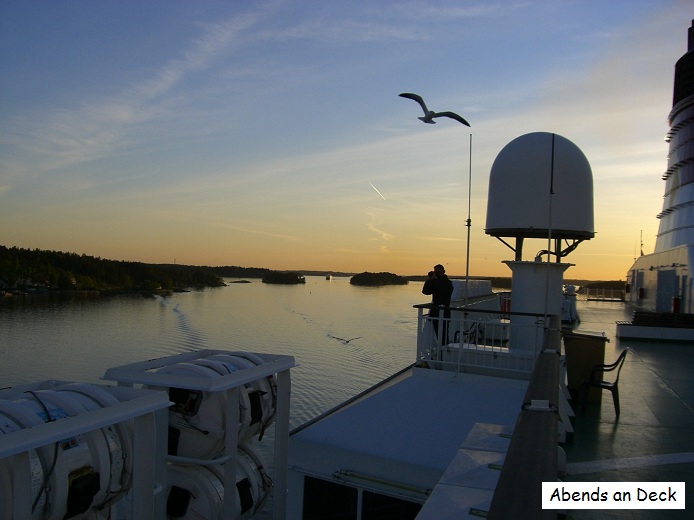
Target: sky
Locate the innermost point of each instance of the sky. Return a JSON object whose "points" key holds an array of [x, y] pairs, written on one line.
{"points": [[271, 134]]}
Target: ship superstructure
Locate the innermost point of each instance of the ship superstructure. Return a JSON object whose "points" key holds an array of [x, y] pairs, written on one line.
{"points": [[661, 282]]}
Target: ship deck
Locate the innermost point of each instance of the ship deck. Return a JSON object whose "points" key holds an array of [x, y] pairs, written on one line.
{"points": [[653, 439]]}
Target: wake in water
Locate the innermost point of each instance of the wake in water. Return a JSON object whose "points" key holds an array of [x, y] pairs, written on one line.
{"points": [[189, 338]]}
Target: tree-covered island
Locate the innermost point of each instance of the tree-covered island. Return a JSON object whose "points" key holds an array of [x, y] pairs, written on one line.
{"points": [[377, 279], [284, 278], [39, 270]]}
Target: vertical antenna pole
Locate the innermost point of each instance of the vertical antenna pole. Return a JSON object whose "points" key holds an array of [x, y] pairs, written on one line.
{"points": [[468, 223], [549, 228], [551, 192], [642, 242]]}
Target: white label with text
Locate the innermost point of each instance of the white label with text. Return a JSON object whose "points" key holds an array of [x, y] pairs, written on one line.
{"points": [[613, 495]]}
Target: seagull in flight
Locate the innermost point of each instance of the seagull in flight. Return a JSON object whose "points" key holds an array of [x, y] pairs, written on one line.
{"points": [[345, 341], [429, 115]]}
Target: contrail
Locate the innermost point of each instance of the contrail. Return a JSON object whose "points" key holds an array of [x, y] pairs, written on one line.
{"points": [[374, 187]]}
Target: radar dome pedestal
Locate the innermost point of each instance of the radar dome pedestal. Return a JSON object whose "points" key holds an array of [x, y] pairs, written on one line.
{"points": [[540, 187]]}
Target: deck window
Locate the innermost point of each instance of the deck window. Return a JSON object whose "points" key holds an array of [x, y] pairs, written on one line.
{"points": [[381, 507], [323, 500]]}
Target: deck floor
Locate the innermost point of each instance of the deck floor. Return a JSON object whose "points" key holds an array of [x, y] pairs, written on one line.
{"points": [[653, 439]]}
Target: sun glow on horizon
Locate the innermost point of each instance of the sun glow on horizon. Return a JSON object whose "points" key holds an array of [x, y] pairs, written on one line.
{"points": [[272, 135]]}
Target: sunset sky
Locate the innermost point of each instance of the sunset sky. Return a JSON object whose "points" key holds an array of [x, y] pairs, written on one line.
{"points": [[271, 134]]}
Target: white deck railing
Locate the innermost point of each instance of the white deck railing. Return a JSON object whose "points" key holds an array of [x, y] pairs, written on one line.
{"points": [[145, 408], [602, 294], [476, 339]]}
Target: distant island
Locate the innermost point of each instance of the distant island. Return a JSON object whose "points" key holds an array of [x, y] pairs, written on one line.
{"points": [[39, 271], [377, 279], [284, 278]]}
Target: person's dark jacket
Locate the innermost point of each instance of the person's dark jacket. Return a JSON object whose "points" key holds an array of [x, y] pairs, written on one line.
{"points": [[441, 290]]}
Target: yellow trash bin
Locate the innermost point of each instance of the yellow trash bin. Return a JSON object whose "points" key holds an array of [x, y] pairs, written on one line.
{"points": [[583, 351]]}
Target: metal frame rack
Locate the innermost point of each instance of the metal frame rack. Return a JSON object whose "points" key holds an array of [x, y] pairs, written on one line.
{"points": [[145, 407], [145, 373]]}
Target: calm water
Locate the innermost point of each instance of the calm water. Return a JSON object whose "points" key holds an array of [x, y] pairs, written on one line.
{"points": [[78, 338]]}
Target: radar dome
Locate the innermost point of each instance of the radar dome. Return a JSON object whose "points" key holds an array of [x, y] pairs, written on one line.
{"points": [[536, 173]]}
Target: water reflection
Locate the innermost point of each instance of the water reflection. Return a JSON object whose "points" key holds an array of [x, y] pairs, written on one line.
{"points": [[78, 337]]}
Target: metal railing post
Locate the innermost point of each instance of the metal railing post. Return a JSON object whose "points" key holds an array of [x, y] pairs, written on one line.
{"points": [[281, 447], [231, 442]]}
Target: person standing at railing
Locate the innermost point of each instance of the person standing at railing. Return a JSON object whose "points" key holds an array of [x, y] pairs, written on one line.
{"points": [[441, 289]]}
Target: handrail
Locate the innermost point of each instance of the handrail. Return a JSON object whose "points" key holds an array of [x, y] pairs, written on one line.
{"points": [[532, 456], [475, 340], [349, 401], [472, 309]]}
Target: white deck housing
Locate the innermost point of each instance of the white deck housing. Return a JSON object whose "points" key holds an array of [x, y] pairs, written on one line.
{"points": [[401, 440]]}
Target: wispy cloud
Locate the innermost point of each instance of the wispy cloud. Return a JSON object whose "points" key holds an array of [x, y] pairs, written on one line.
{"points": [[253, 229], [107, 126], [350, 30], [426, 11], [101, 126], [382, 235], [274, 122], [215, 38], [441, 239]]}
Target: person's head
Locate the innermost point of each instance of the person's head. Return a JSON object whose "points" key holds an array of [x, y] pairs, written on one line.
{"points": [[431, 274], [439, 270]]}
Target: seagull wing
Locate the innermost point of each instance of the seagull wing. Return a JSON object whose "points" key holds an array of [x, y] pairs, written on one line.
{"points": [[418, 99], [452, 115]]}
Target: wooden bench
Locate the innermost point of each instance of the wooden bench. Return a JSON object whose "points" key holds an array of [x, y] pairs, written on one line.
{"points": [[663, 319]]}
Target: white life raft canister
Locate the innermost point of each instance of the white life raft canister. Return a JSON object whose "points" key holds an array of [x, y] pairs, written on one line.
{"points": [[72, 477], [197, 418], [196, 492]]}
